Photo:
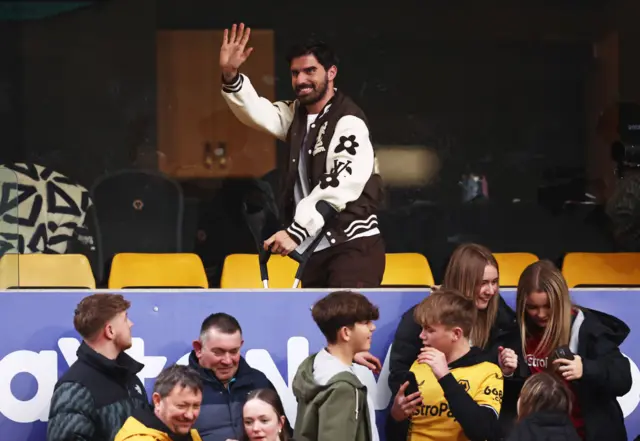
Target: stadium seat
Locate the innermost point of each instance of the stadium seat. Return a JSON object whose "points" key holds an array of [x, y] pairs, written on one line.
{"points": [[242, 271], [407, 269], [601, 269], [45, 271], [512, 265], [142, 270], [137, 211]]}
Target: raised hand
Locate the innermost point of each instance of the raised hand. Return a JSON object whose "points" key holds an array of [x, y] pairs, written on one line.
{"points": [[508, 361], [437, 361], [234, 51]]}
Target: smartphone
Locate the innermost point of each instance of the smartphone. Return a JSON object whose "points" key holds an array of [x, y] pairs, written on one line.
{"points": [[413, 383], [562, 352]]}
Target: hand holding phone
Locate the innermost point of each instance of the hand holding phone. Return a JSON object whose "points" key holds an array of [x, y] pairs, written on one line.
{"points": [[407, 398], [562, 352], [413, 383], [567, 364]]}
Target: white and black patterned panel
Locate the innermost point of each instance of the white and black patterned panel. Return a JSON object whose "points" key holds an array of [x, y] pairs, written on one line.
{"points": [[8, 208], [51, 209]]}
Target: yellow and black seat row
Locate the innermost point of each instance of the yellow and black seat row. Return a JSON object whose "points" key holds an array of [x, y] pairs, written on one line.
{"points": [[241, 271]]}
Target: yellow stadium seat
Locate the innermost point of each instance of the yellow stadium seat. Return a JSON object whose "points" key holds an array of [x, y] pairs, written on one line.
{"points": [[242, 271], [45, 271], [512, 265], [407, 269], [601, 269], [174, 270]]}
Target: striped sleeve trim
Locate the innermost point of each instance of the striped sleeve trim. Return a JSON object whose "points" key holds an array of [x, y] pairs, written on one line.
{"points": [[297, 233], [234, 86]]}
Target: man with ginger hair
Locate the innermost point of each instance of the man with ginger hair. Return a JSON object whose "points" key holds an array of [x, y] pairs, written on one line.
{"points": [[94, 398]]}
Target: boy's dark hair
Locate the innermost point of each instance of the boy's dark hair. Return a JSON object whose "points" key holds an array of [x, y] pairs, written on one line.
{"points": [[449, 308], [94, 311], [342, 308], [225, 323], [319, 49], [177, 375]]}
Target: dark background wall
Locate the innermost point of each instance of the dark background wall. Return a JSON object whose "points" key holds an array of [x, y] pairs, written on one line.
{"points": [[479, 84], [11, 86], [469, 82], [89, 88], [494, 88]]}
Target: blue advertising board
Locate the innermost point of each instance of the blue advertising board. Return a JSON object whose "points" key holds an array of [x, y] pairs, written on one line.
{"points": [[38, 341]]}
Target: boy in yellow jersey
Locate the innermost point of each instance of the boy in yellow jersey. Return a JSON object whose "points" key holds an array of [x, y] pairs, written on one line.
{"points": [[461, 393]]}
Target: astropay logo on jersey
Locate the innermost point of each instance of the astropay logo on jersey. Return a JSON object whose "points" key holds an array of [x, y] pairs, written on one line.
{"points": [[535, 362]]}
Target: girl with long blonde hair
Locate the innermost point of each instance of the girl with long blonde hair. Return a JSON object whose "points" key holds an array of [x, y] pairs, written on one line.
{"points": [[579, 345], [473, 271]]}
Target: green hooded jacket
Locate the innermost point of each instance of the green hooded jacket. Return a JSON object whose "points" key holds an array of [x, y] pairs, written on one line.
{"points": [[336, 411]]}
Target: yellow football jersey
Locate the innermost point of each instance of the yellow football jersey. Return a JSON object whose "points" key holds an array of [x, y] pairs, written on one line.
{"points": [[433, 421]]}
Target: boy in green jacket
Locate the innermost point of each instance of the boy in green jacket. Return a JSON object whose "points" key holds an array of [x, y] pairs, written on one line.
{"points": [[332, 401]]}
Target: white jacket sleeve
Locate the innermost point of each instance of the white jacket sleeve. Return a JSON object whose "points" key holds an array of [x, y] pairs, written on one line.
{"points": [[257, 112], [350, 161]]}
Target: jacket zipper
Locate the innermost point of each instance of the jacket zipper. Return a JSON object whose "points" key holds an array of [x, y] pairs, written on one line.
{"points": [[357, 407]]}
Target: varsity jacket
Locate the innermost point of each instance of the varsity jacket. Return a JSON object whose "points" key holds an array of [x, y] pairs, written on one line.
{"points": [[340, 160], [94, 398]]}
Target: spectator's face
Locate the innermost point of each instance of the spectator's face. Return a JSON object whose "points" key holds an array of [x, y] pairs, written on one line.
{"points": [[488, 287], [178, 410], [261, 422], [440, 337], [120, 330], [309, 79], [220, 352], [360, 335], [538, 308]]}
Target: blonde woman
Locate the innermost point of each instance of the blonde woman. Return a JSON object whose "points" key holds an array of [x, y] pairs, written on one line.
{"points": [[580, 345], [543, 411], [473, 271]]}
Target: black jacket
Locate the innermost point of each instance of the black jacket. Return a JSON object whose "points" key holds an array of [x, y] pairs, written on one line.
{"points": [[545, 426], [93, 399], [606, 374], [407, 345]]}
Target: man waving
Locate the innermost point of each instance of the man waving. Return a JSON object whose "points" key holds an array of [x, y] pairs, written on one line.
{"points": [[330, 159]]}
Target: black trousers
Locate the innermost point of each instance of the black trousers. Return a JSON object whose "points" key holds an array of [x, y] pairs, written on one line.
{"points": [[358, 263]]}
